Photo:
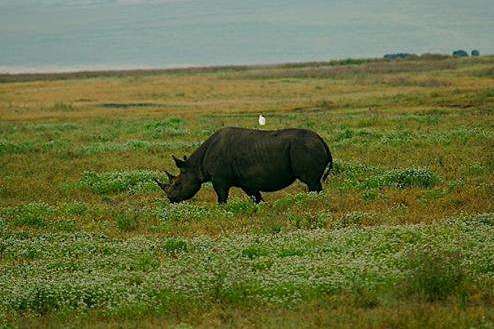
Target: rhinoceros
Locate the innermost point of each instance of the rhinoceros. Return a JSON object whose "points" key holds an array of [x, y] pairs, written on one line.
{"points": [[254, 160]]}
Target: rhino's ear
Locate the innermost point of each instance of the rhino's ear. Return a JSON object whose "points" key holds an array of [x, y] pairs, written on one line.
{"points": [[179, 163]]}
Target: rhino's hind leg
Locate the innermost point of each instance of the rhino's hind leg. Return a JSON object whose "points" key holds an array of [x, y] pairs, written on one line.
{"points": [[309, 159], [314, 186], [312, 179]]}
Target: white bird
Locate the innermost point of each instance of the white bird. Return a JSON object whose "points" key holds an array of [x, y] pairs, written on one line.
{"points": [[262, 120]]}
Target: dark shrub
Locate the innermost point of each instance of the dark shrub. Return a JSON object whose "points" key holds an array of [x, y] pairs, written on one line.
{"points": [[127, 221], [410, 177], [254, 252], [241, 206], [174, 245], [396, 56], [460, 53], [32, 214], [75, 208], [431, 56], [171, 127], [116, 181], [434, 275]]}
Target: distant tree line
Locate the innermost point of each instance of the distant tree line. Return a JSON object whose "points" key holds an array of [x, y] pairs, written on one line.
{"points": [[456, 53]]}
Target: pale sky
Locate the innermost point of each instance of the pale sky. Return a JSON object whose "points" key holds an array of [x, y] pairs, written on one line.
{"points": [[67, 34]]}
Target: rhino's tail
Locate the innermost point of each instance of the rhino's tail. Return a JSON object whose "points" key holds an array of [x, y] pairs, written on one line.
{"points": [[329, 166], [328, 169]]}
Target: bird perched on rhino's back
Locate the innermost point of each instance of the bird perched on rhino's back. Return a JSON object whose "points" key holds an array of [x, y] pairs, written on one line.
{"points": [[262, 120], [254, 160]]}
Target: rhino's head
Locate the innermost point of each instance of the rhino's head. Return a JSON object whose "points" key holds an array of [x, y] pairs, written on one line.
{"points": [[185, 185]]}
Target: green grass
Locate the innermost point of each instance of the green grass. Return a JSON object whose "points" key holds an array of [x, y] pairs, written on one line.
{"points": [[401, 236]]}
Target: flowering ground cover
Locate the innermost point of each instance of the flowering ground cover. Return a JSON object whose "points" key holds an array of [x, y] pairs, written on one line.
{"points": [[401, 237]]}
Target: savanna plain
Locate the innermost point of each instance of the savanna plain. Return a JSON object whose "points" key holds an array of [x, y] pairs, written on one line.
{"points": [[401, 237]]}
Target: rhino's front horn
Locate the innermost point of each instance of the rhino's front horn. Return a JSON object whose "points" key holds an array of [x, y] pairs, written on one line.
{"points": [[170, 176], [160, 184]]}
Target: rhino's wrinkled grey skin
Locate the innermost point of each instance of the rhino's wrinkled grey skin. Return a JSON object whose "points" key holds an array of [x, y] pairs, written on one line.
{"points": [[254, 160]]}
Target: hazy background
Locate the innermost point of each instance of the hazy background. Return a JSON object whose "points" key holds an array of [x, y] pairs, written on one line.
{"points": [[55, 35]]}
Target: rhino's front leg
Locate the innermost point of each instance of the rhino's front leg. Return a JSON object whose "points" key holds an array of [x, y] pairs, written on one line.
{"points": [[255, 195], [258, 197], [221, 190]]}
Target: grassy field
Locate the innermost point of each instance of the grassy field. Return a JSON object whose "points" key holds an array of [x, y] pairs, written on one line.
{"points": [[401, 237]]}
